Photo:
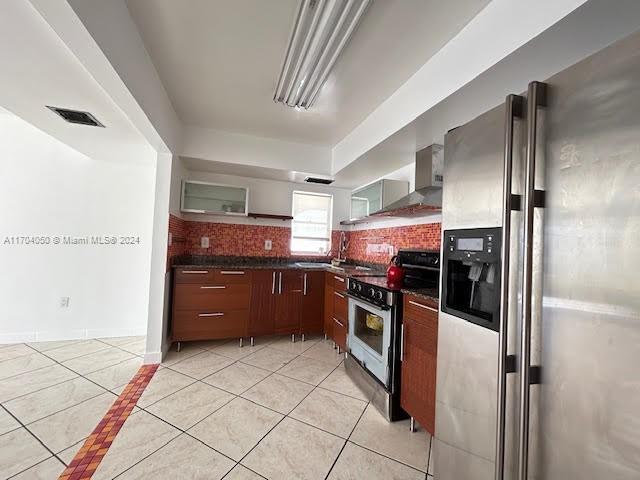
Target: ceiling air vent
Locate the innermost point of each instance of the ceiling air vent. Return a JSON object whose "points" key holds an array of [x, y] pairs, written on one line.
{"points": [[323, 181], [76, 116]]}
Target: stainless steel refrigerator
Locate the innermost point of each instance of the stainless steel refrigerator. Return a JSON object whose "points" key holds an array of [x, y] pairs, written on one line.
{"points": [[547, 384]]}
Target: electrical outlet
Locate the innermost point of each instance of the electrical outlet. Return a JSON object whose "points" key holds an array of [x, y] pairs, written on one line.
{"points": [[391, 250], [64, 302], [170, 241], [204, 242], [267, 244]]}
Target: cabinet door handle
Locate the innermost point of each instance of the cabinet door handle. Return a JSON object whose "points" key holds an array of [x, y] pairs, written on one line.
{"points": [[216, 314], [402, 342], [304, 288], [338, 294], [296, 291], [423, 306], [231, 272], [280, 284], [340, 279], [195, 272], [273, 284], [338, 322], [212, 287]]}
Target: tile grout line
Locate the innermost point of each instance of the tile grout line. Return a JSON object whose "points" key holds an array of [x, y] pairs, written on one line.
{"points": [[34, 436], [186, 432], [280, 421], [97, 444], [66, 408], [56, 362], [234, 396], [17, 356], [346, 441]]}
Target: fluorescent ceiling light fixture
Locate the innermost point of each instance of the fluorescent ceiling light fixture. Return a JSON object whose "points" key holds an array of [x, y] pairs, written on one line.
{"points": [[321, 31]]}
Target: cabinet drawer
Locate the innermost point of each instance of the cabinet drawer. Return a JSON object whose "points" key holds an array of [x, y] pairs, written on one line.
{"points": [[340, 329], [211, 296], [232, 276], [209, 324], [194, 275], [420, 308], [339, 283], [340, 306]]}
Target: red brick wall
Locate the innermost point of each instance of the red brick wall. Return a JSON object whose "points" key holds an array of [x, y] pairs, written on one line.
{"points": [[425, 236]]}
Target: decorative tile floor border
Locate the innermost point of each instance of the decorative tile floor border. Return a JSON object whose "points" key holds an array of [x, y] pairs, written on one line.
{"points": [[95, 447]]}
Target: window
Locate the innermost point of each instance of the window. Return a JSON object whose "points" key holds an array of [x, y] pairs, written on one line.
{"points": [[311, 225]]}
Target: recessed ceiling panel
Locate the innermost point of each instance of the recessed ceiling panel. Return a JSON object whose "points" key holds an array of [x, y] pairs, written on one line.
{"points": [[220, 59]]}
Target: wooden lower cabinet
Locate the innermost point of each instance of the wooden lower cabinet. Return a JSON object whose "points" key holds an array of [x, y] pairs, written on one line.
{"points": [[210, 325], [311, 314], [328, 305], [288, 302], [210, 304], [340, 332], [219, 303], [263, 303], [336, 309], [420, 346]]}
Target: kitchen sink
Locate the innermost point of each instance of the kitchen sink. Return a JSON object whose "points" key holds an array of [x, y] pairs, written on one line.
{"points": [[312, 265]]}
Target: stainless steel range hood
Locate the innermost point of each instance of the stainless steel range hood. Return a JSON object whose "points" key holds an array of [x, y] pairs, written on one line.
{"points": [[428, 186]]}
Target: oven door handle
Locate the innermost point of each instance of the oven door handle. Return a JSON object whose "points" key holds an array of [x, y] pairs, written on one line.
{"points": [[369, 305]]}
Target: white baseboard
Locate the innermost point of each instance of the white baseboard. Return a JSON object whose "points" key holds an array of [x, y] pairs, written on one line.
{"points": [[70, 334], [151, 358]]}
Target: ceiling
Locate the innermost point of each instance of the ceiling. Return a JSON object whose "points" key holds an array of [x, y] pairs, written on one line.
{"points": [[219, 61]]}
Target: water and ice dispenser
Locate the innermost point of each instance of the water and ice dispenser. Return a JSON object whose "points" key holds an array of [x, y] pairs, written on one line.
{"points": [[471, 275]]}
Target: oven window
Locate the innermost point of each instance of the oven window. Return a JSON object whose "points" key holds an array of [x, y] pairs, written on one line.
{"points": [[369, 328]]}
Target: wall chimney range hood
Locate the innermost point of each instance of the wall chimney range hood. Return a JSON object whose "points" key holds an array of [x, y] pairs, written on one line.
{"points": [[428, 186]]}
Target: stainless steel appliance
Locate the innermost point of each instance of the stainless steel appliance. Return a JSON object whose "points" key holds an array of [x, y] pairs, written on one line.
{"points": [[554, 394], [375, 323]]}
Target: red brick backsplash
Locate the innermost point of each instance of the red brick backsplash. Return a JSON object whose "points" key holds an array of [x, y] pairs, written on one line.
{"points": [[178, 231], [238, 239], [248, 240], [425, 236]]}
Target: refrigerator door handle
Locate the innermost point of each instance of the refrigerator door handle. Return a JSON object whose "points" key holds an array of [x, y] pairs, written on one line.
{"points": [[514, 110], [536, 97]]}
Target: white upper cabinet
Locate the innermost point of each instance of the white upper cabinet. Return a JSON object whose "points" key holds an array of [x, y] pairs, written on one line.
{"points": [[202, 197], [368, 200]]}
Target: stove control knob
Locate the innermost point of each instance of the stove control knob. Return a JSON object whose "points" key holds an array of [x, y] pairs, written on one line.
{"points": [[372, 292], [379, 295], [359, 288]]}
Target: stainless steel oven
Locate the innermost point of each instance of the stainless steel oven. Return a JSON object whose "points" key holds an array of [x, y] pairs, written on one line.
{"points": [[370, 337]]}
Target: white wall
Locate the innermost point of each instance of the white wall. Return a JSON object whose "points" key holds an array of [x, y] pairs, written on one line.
{"points": [[47, 188], [270, 196], [159, 279]]}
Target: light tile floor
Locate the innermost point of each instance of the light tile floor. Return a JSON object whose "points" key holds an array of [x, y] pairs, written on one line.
{"points": [[277, 410]]}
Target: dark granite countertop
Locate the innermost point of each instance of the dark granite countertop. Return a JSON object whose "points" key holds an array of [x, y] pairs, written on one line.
{"points": [[268, 263], [429, 294]]}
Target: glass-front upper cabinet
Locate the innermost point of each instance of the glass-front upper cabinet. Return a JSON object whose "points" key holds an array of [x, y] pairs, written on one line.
{"points": [[202, 197], [368, 200]]}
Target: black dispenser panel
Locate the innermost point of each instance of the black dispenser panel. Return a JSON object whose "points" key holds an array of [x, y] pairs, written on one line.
{"points": [[471, 275]]}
